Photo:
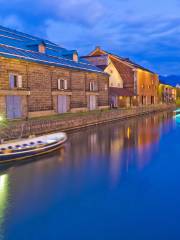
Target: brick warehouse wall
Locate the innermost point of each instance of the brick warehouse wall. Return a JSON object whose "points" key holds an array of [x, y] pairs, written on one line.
{"points": [[40, 89], [143, 83], [147, 85]]}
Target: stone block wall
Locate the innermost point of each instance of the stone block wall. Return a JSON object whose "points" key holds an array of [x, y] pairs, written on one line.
{"points": [[41, 81]]}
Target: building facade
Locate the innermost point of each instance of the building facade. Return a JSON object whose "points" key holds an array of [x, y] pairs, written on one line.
{"points": [[39, 78], [167, 93], [130, 84]]}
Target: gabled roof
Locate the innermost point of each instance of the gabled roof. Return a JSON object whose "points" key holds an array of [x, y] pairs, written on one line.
{"points": [[15, 44], [125, 60], [138, 66], [122, 69]]}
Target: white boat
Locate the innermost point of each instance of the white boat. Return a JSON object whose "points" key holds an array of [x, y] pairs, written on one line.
{"points": [[31, 147]]}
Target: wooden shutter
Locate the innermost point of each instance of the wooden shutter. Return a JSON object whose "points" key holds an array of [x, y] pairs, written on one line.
{"points": [[11, 80], [91, 86], [59, 83], [95, 87], [9, 107], [17, 107], [65, 84], [19, 81], [14, 107]]}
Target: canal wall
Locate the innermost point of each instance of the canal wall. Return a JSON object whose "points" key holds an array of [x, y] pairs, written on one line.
{"points": [[75, 121]]}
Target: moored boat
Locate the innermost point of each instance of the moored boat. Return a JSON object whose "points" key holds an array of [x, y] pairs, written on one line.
{"points": [[31, 147]]}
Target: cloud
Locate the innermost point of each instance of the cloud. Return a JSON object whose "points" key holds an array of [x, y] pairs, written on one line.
{"points": [[12, 21], [81, 11], [147, 33]]}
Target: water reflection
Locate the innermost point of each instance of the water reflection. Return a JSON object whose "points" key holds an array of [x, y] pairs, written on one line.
{"points": [[115, 147], [177, 116], [93, 159], [4, 184]]}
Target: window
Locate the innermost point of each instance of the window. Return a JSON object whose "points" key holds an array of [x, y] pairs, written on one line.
{"points": [[62, 84], [106, 87], [41, 48], [75, 57], [93, 86], [15, 81]]}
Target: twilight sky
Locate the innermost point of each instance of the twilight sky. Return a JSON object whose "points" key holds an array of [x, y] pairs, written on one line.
{"points": [[146, 31]]}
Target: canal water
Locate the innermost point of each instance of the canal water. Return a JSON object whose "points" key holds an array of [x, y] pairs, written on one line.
{"points": [[109, 182]]}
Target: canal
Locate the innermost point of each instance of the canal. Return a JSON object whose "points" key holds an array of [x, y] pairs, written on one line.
{"points": [[109, 182]]}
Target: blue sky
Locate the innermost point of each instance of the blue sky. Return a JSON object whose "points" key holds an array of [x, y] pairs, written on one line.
{"points": [[146, 31]]}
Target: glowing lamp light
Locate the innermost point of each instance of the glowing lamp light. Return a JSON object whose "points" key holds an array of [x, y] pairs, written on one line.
{"points": [[1, 118], [3, 182], [128, 133]]}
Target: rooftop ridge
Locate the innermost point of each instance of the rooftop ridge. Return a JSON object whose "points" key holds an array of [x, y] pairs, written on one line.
{"points": [[42, 54], [126, 60], [56, 62]]}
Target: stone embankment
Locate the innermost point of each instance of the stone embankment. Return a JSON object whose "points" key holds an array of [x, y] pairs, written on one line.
{"points": [[69, 122]]}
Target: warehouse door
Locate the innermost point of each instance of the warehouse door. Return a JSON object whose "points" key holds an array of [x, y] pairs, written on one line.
{"points": [[14, 107], [152, 100], [114, 101], [92, 102], [62, 104]]}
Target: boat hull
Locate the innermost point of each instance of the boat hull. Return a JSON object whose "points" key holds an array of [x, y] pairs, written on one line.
{"points": [[5, 158]]}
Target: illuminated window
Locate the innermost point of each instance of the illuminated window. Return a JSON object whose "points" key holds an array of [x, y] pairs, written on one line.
{"points": [[93, 86]]}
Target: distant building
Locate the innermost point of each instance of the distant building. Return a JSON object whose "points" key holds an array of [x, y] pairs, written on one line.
{"points": [[167, 93], [38, 78], [130, 84]]}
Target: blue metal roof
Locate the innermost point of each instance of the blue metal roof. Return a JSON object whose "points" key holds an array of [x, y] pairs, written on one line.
{"points": [[14, 44], [11, 52]]}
